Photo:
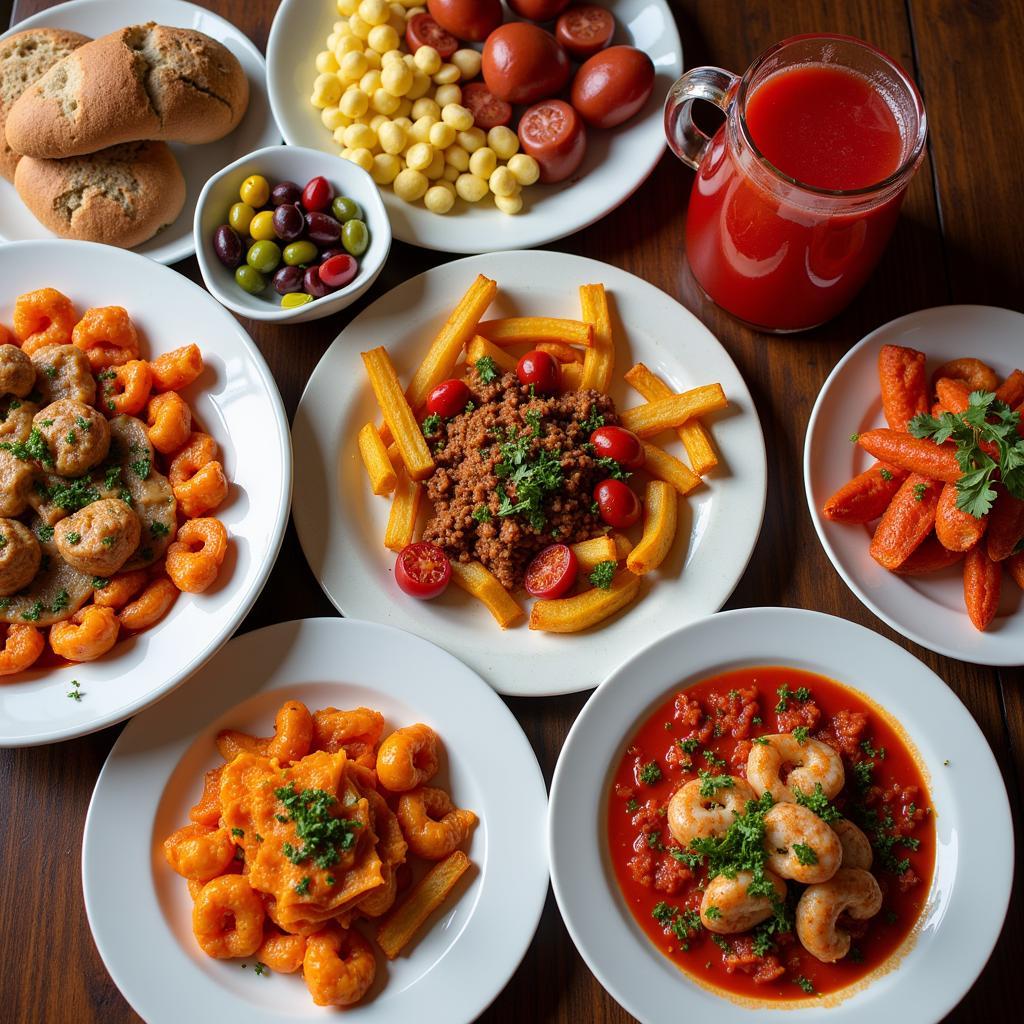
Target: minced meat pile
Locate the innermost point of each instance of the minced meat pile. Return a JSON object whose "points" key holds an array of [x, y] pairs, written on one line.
{"points": [[514, 474]]}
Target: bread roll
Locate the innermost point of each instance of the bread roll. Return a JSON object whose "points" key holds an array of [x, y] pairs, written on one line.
{"points": [[25, 57], [140, 82], [120, 196]]}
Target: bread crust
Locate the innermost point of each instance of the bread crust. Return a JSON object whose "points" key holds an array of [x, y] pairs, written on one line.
{"points": [[120, 196], [140, 82]]}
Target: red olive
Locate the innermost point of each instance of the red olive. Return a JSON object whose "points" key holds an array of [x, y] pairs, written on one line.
{"points": [[522, 63], [449, 398], [474, 20], [617, 504], [612, 86], [540, 369]]}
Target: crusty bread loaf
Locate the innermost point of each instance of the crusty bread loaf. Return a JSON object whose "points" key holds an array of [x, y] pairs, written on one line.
{"points": [[25, 57], [121, 196], [141, 82]]}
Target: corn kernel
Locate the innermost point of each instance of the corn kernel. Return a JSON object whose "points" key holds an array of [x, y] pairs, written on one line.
{"points": [[446, 94], [348, 7], [339, 133], [436, 169], [420, 130], [383, 38], [483, 162], [370, 82], [502, 181], [420, 85], [374, 12], [392, 138], [472, 140], [346, 44], [360, 136], [446, 74], [455, 156], [354, 102], [410, 185], [391, 57], [450, 174], [438, 199], [358, 27], [509, 204], [376, 121], [441, 135], [385, 168], [428, 60], [471, 188], [426, 107], [326, 62], [468, 62], [373, 59], [396, 79], [525, 168], [345, 152], [352, 66], [326, 91], [404, 107], [503, 141], [332, 118], [362, 158], [458, 117], [403, 122], [420, 156], [383, 102]]}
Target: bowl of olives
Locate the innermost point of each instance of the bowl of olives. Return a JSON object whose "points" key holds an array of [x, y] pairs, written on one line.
{"points": [[287, 234]]}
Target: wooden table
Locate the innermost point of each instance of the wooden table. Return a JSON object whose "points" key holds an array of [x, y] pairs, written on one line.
{"points": [[958, 241]]}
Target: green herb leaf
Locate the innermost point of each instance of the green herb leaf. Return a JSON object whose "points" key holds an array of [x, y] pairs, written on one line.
{"points": [[487, 369], [602, 574], [650, 773]]}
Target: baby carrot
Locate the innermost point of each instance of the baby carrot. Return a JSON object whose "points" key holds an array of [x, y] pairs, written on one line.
{"points": [[904, 384], [866, 496], [930, 556], [956, 529], [982, 582], [1007, 527], [1015, 563], [954, 395], [916, 454], [1011, 391], [907, 521]]}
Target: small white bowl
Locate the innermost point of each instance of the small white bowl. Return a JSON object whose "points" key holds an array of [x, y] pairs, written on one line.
{"points": [[288, 163]]}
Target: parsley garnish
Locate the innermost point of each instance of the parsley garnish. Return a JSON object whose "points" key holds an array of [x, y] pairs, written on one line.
{"points": [[817, 801], [75, 693], [32, 615], [762, 942], [50, 370], [99, 582], [112, 478], [431, 425], [482, 514], [239, 832], [712, 913], [662, 912], [886, 475], [303, 887], [323, 836], [44, 531], [710, 784], [805, 984], [688, 746], [487, 369], [73, 538], [920, 490], [533, 478], [800, 733], [83, 424], [632, 806], [862, 773], [260, 968], [34, 447], [594, 420], [804, 853], [159, 529], [761, 741], [60, 602], [71, 437], [612, 468], [650, 773], [141, 468], [715, 762], [73, 496], [602, 574], [109, 542]]}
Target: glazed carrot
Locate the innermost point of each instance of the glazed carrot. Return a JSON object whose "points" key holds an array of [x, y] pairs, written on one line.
{"points": [[982, 582], [1015, 563], [956, 529], [904, 384], [907, 521], [930, 556], [953, 395], [916, 454], [866, 496], [978, 376], [1006, 529], [1011, 391]]}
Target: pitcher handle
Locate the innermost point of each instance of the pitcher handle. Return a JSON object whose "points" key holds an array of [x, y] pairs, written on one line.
{"points": [[685, 139]]}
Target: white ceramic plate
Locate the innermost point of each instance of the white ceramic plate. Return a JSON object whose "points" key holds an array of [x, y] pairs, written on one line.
{"points": [[974, 837], [153, 775], [616, 164], [341, 523], [236, 400], [96, 18], [926, 609]]}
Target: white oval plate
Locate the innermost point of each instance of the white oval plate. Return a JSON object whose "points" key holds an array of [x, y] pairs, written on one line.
{"points": [[616, 165], [926, 609], [341, 523], [236, 400], [974, 838], [154, 774], [96, 18]]}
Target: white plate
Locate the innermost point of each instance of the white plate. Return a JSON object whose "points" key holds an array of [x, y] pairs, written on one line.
{"points": [[236, 400], [926, 609], [974, 838], [153, 775], [96, 18], [617, 162], [341, 523]]}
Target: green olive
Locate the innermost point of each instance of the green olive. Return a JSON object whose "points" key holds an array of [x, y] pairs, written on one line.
{"points": [[264, 256], [240, 217], [300, 252], [355, 237], [345, 209], [294, 299], [250, 279]]}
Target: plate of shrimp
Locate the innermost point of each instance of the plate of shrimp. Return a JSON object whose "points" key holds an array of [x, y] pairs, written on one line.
{"points": [[330, 814]]}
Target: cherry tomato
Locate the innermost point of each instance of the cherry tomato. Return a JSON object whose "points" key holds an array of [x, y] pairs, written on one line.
{"points": [[474, 20], [448, 399], [585, 29], [487, 110], [553, 572], [540, 369], [317, 194], [553, 134], [523, 63], [337, 271], [617, 504], [423, 570], [613, 85], [538, 10], [422, 30], [619, 444]]}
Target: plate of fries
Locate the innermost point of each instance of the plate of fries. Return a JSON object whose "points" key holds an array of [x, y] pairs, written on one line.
{"points": [[423, 953], [363, 465]]}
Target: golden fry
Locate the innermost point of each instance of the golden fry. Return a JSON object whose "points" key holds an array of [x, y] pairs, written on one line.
{"points": [[660, 516], [665, 413], [375, 458], [405, 507], [572, 614], [512, 330], [590, 552], [562, 352], [572, 376], [479, 346], [478, 581], [659, 463], [599, 360], [623, 545]]}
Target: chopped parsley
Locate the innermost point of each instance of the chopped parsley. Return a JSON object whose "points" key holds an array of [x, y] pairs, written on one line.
{"points": [[920, 490], [715, 762], [50, 370], [44, 531], [602, 574], [73, 496], [662, 912], [109, 542], [712, 913], [801, 693], [5, 603], [260, 968], [431, 425], [159, 529], [33, 613], [141, 468], [486, 369], [531, 477], [871, 750], [688, 746], [99, 582], [800, 733], [762, 943], [83, 424], [302, 888], [762, 741], [33, 448], [886, 474], [632, 806], [239, 832], [817, 801], [723, 944], [73, 538], [711, 784], [805, 854], [862, 773], [612, 468], [112, 478], [323, 836], [71, 437], [650, 773], [482, 514], [805, 984], [3, 542], [594, 420], [60, 602], [75, 693], [854, 438]]}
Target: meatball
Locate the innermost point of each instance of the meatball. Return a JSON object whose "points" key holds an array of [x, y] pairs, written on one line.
{"points": [[17, 374], [20, 556], [99, 538], [76, 434], [16, 478], [16, 419], [63, 371]]}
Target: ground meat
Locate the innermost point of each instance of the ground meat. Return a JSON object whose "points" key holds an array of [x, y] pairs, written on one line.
{"points": [[467, 478], [735, 710], [690, 714], [844, 732], [763, 969], [670, 876], [738, 758], [796, 715]]}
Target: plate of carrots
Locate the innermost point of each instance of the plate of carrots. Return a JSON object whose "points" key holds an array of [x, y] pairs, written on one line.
{"points": [[914, 473]]}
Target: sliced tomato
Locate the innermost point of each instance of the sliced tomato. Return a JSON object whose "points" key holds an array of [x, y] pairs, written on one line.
{"points": [[553, 134], [423, 570], [422, 30], [487, 110], [585, 29], [553, 572]]}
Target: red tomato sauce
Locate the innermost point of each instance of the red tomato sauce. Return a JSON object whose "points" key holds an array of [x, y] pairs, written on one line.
{"points": [[711, 726]]}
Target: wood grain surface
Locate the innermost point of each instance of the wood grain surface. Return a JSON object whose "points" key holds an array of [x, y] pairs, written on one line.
{"points": [[958, 240]]}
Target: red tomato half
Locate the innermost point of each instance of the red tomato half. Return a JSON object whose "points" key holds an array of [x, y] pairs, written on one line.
{"points": [[423, 570], [522, 63], [538, 10], [487, 110], [553, 572], [422, 30], [612, 86], [617, 504], [474, 20], [448, 399], [540, 369], [619, 444], [553, 134], [585, 29]]}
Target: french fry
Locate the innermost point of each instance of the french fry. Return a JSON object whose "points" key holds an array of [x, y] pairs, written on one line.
{"points": [[1006, 526], [478, 581], [901, 372], [866, 496], [572, 614], [660, 514], [572, 376], [398, 414], [394, 454], [562, 352], [915, 454], [978, 376], [953, 395], [666, 413], [907, 521], [599, 360], [405, 507], [375, 458], [983, 580], [479, 346], [591, 552], [1011, 391], [659, 463], [930, 556], [401, 925], [694, 435], [956, 529], [623, 545], [513, 330]]}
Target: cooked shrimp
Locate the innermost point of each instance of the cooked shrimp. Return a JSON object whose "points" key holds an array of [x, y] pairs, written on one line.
{"points": [[339, 967], [199, 852], [813, 763], [800, 845], [280, 951], [727, 907], [357, 732], [850, 891], [293, 733], [432, 824], [856, 846], [408, 758], [692, 816], [227, 918]]}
